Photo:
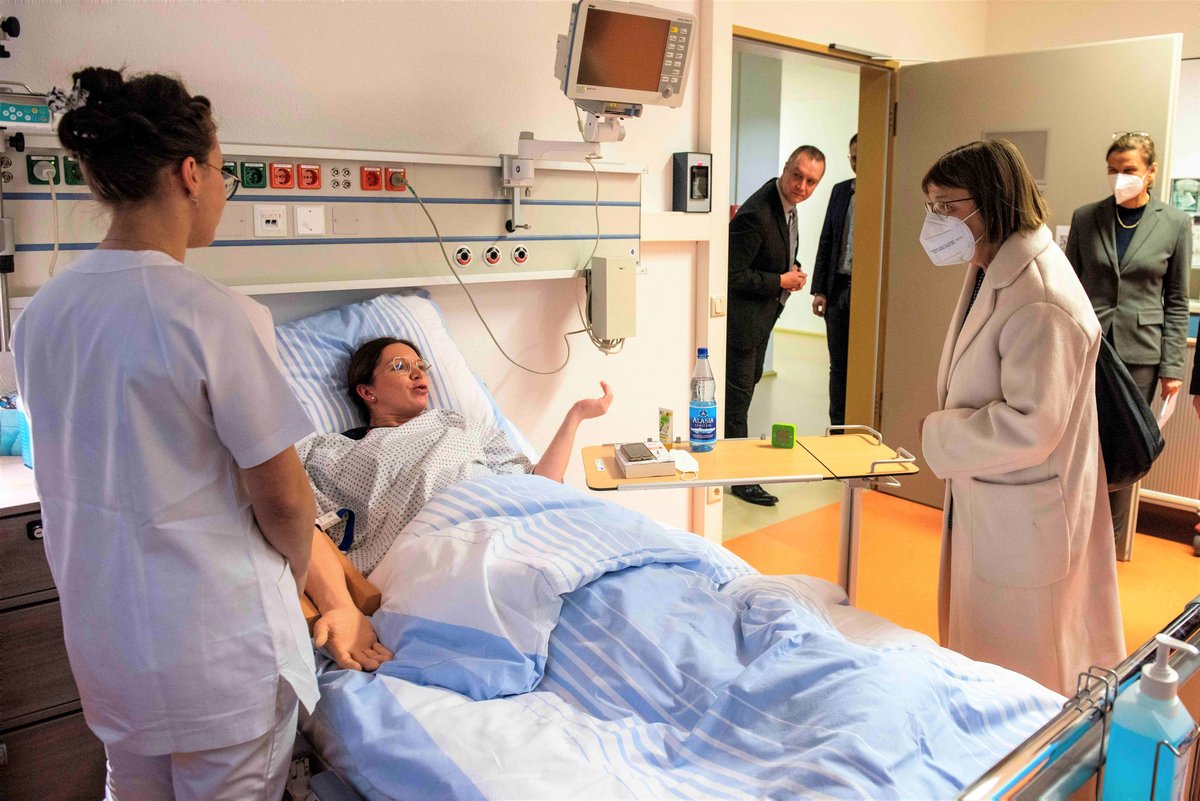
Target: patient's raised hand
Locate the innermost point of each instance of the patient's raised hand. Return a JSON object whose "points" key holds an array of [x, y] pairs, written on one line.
{"points": [[349, 638], [594, 407]]}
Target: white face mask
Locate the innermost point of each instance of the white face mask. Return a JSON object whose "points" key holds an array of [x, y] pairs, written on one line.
{"points": [[948, 240], [1126, 187]]}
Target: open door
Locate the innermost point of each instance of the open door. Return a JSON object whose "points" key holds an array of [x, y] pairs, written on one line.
{"points": [[1061, 108]]}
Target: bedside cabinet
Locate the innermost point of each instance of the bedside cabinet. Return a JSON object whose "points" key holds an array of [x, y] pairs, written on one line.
{"points": [[47, 752]]}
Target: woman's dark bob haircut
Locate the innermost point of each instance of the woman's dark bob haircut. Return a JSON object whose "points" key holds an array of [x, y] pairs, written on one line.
{"points": [[995, 175]]}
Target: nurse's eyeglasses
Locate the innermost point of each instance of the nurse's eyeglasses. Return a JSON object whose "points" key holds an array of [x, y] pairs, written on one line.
{"points": [[232, 182], [942, 207], [1118, 134], [403, 365]]}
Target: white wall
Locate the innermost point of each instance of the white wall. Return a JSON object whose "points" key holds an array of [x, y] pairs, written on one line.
{"points": [[433, 76], [756, 130], [1016, 25], [818, 106], [903, 29]]}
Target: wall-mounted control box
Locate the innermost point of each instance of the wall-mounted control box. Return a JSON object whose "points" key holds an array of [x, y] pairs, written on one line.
{"points": [[691, 184]]}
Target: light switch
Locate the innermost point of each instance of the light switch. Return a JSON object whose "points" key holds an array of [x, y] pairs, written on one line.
{"points": [[716, 306], [270, 219], [310, 221]]}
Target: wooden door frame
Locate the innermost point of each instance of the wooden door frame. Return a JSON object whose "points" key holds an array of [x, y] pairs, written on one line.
{"points": [[872, 230]]}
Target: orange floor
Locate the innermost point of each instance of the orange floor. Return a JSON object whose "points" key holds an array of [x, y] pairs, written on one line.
{"points": [[899, 558]]}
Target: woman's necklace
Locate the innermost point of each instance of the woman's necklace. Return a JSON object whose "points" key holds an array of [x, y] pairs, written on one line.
{"points": [[1122, 222]]}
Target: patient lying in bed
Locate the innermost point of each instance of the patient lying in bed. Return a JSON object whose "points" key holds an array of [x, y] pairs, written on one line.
{"points": [[384, 473]]}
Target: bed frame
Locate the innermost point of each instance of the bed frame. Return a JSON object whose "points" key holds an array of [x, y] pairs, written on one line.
{"points": [[1063, 757], [1068, 753]]}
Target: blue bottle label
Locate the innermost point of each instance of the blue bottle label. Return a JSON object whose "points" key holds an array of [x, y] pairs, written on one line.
{"points": [[703, 424]]}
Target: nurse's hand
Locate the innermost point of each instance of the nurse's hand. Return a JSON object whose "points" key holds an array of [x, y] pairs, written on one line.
{"points": [[1196, 404], [348, 637], [1170, 386]]}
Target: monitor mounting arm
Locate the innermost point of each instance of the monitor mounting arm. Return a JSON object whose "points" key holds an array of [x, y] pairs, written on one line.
{"points": [[517, 172]]}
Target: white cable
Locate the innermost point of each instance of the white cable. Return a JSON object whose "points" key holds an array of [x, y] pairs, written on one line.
{"points": [[454, 272], [608, 347], [49, 174]]}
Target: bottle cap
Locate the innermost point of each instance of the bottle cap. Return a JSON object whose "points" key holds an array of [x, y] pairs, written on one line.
{"points": [[701, 353], [1159, 679]]}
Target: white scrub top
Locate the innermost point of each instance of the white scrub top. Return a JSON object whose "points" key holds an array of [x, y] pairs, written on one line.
{"points": [[147, 388]]}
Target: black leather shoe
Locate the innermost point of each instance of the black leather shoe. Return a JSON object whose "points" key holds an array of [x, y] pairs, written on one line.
{"points": [[753, 493]]}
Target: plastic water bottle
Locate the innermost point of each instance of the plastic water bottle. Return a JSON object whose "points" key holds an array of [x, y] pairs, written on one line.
{"points": [[702, 409]]}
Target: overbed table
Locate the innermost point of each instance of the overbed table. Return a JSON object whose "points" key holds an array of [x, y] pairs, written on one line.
{"points": [[858, 458]]}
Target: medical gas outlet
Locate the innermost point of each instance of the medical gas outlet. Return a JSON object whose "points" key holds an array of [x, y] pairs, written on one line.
{"points": [[463, 256]]}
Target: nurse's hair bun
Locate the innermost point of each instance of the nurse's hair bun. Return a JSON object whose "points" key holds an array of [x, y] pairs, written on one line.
{"points": [[124, 132]]}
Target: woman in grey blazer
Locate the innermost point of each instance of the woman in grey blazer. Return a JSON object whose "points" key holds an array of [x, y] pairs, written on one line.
{"points": [[1133, 253]]}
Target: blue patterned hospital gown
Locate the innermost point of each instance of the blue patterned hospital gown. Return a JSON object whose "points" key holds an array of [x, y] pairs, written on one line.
{"points": [[387, 476]]}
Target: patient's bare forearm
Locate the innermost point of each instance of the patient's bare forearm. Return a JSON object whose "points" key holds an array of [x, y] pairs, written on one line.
{"points": [[554, 461], [326, 586]]}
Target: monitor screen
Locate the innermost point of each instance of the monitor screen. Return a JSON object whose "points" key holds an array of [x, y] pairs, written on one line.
{"points": [[623, 51]]}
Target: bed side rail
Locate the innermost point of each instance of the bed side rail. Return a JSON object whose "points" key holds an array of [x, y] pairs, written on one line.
{"points": [[1063, 755]]}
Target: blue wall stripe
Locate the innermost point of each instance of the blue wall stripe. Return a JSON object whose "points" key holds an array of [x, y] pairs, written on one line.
{"points": [[373, 240], [305, 198]]}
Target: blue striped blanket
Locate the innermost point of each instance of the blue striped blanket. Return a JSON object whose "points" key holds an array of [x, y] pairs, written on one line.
{"points": [[552, 645]]}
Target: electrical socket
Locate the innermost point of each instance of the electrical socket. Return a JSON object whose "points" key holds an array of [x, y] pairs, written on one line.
{"points": [[712, 494]]}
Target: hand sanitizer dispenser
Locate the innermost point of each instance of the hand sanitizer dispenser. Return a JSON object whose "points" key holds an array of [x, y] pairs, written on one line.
{"points": [[1146, 713]]}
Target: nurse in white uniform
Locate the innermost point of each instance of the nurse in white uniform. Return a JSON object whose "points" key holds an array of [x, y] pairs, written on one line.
{"points": [[178, 518]]}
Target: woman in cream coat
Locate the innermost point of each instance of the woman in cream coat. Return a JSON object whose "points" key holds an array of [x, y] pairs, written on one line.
{"points": [[1028, 570]]}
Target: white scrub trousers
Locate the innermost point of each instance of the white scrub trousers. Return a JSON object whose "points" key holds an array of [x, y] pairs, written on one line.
{"points": [[252, 771]]}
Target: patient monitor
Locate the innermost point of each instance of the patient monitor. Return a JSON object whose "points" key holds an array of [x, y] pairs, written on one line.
{"points": [[620, 56], [615, 58]]}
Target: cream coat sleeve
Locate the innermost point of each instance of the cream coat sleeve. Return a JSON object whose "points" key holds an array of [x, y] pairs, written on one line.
{"points": [[1043, 356]]}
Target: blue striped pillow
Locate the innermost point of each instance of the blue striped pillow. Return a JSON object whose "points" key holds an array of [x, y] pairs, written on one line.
{"points": [[314, 352]]}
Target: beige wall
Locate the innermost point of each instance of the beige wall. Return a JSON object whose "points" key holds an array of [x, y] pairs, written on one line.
{"points": [[1016, 25]]}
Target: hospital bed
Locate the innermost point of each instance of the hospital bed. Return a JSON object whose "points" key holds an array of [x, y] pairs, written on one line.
{"points": [[594, 653]]}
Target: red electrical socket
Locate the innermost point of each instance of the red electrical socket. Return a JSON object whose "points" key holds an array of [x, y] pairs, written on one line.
{"points": [[283, 176], [310, 176], [395, 179], [370, 178]]}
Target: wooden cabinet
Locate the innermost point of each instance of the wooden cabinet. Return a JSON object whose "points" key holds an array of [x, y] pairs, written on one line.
{"points": [[47, 752]]}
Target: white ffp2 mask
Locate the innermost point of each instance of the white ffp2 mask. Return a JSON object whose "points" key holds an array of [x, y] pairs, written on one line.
{"points": [[1126, 187], [947, 240]]}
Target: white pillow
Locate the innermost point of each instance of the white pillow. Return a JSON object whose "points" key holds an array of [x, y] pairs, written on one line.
{"points": [[315, 351]]}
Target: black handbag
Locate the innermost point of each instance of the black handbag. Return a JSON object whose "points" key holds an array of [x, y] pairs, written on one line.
{"points": [[1129, 435]]}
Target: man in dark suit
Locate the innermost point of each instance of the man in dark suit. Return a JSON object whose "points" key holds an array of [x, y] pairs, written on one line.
{"points": [[831, 284], [763, 272]]}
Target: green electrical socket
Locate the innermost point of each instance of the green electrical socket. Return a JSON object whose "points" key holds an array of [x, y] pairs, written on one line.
{"points": [[73, 172], [254, 174], [33, 161]]}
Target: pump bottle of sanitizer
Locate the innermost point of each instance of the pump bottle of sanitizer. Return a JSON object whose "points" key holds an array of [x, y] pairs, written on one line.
{"points": [[1146, 713]]}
